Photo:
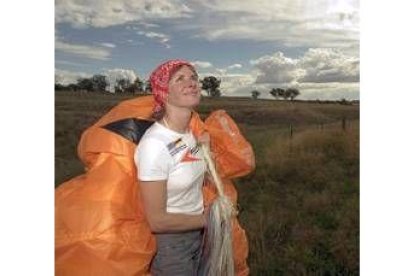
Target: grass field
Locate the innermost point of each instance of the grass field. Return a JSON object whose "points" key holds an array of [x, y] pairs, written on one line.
{"points": [[300, 208]]}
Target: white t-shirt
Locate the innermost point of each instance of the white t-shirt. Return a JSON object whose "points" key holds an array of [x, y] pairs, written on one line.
{"points": [[163, 154]]}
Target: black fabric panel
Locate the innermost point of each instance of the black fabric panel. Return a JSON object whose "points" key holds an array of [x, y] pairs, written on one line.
{"points": [[130, 128]]}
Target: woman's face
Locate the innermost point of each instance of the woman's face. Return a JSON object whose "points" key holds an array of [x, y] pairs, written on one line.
{"points": [[183, 88]]}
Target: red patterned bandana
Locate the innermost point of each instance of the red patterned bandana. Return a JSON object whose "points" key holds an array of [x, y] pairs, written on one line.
{"points": [[159, 80]]}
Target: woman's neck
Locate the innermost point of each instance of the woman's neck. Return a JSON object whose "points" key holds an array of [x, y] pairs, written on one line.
{"points": [[177, 120]]}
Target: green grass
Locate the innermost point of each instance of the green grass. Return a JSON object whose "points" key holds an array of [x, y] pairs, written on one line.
{"points": [[300, 208]]}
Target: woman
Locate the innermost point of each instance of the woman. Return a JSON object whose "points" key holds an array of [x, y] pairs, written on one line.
{"points": [[171, 171]]}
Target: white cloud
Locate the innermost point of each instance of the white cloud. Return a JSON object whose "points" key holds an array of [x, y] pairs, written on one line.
{"points": [[202, 64], [319, 23], [329, 91], [316, 65], [276, 68], [105, 13], [81, 50], [65, 77], [160, 37], [234, 66], [113, 74], [108, 45], [328, 65], [230, 83]]}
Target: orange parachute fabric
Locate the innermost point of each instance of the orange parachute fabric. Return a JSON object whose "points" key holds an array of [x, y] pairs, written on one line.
{"points": [[100, 226]]}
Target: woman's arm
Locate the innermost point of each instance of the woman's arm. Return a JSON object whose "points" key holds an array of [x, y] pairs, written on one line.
{"points": [[154, 197]]}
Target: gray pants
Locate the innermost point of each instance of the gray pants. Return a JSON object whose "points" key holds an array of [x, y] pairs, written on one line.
{"points": [[178, 254]]}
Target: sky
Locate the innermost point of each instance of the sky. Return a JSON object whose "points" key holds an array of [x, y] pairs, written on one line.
{"points": [[253, 44]]}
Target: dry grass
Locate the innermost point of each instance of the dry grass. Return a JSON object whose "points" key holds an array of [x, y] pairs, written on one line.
{"points": [[303, 204]]}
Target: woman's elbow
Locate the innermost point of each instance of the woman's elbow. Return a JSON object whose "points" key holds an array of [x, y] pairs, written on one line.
{"points": [[156, 225]]}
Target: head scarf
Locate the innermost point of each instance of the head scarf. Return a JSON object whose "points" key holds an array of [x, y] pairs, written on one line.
{"points": [[159, 80]]}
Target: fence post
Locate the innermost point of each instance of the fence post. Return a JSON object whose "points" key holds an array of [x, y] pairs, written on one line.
{"points": [[343, 123], [291, 131]]}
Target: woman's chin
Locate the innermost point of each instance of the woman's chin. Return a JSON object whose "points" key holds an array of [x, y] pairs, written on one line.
{"points": [[194, 100]]}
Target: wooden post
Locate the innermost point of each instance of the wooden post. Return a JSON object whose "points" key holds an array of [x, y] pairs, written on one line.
{"points": [[291, 131], [343, 123]]}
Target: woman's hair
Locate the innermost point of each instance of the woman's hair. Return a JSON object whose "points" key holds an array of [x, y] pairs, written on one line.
{"points": [[159, 114]]}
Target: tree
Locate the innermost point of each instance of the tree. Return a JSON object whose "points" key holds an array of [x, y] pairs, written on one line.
{"points": [[121, 85], [211, 84], [255, 94], [134, 87], [291, 93], [85, 84], [280, 92], [277, 92], [148, 88], [59, 87], [99, 83], [73, 87], [138, 86], [273, 92]]}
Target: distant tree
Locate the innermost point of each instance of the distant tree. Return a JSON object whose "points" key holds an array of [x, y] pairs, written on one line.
{"points": [[134, 87], [291, 93], [60, 87], [99, 83], [85, 84], [273, 92], [121, 85], [277, 92], [344, 101], [148, 88], [211, 84], [73, 87], [138, 86], [255, 94], [280, 92]]}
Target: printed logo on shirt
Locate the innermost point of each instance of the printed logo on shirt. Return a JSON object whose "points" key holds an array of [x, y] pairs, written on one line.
{"points": [[176, 146], [189, 156]]}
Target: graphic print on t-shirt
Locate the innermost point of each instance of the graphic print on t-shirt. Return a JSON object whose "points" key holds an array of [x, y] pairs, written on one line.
{"points": [[176, 146], [189, 156]]}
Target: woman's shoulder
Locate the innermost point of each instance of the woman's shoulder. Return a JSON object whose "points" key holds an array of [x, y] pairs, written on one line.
{"points": [[155, 136]]}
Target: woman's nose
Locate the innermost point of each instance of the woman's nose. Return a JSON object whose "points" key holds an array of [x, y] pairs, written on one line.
{"points": [[191, 82]]}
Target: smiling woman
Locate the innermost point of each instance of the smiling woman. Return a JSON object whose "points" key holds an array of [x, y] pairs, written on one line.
{"points": [[171, 171], [142, 205]]}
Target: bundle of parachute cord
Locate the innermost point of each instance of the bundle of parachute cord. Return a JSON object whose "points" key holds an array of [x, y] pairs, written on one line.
{"points": [[218, 244]]}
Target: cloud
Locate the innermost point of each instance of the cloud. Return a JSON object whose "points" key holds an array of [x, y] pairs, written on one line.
{"points": [[328, 65], [82, 50], [276, 68], [231, 83], [160, 37], [105, 13], [202, 64], [329, 91], [300, 23], [234, 66], [317, 65], [108, 45], [65, 77], [118, 73]]}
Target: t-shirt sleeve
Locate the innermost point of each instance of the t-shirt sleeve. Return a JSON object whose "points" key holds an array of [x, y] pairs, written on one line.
{"points": [[152, 160]]}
